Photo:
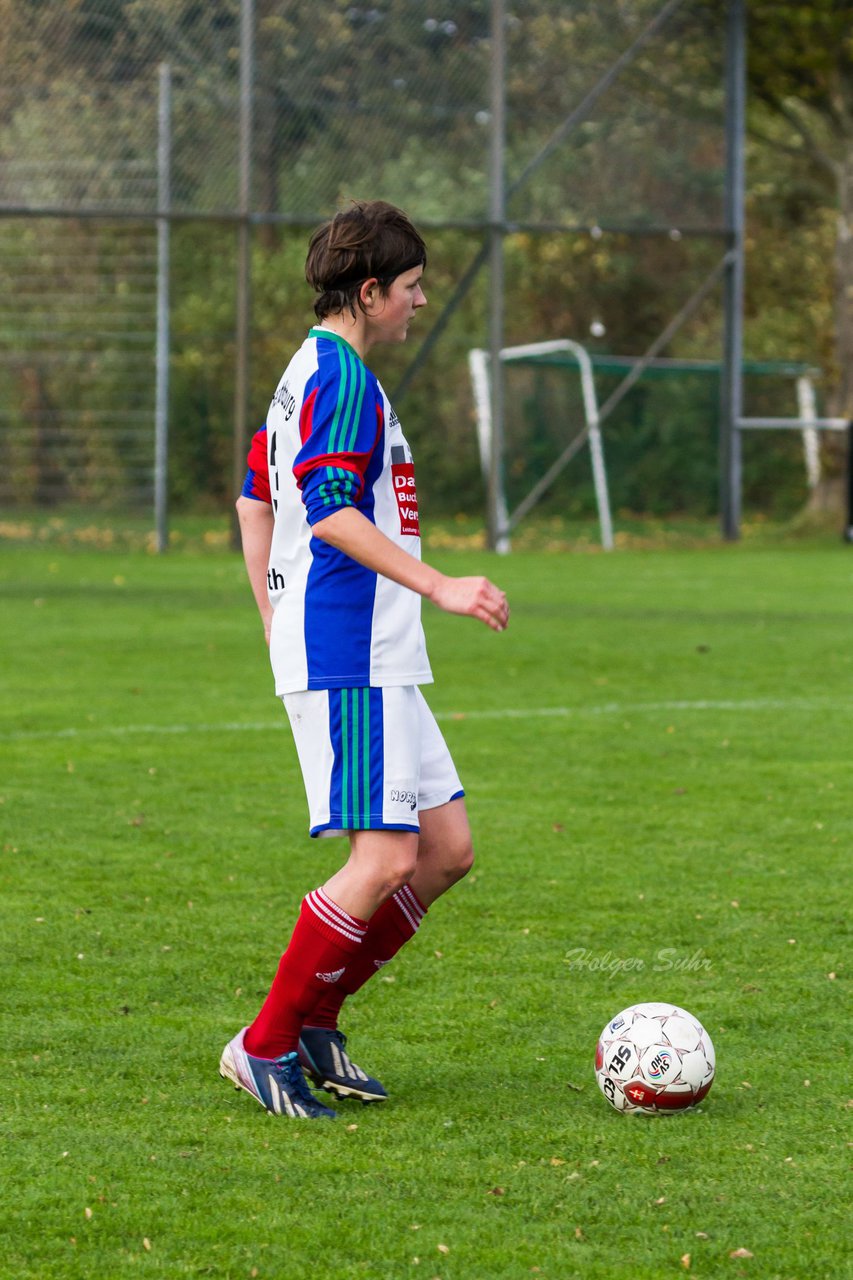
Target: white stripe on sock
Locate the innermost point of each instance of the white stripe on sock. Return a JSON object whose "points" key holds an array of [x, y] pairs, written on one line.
{"points": [[323, 900], [319, 909], [417, 910], [332, 906], [401, 903]]}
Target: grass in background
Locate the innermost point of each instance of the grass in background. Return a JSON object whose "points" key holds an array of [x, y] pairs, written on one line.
{"points": [[657, 761], [76, 528]]}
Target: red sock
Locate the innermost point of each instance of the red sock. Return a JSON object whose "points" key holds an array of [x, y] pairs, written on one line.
{"points": [[392, 925], [321, 950]]}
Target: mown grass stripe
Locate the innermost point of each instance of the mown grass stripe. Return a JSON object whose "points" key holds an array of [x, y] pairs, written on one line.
{"points": [[743, 706]]}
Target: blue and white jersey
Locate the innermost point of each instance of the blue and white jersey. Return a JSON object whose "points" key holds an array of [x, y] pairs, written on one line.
{"points": [[333, 440]]}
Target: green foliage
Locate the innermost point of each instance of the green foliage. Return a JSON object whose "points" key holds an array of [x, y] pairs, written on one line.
{"points": [[656, 755], [801, 78], [393, 100], [661, 446], [803, 53]]}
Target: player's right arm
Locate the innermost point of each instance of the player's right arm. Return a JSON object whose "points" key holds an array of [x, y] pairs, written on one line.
{"points": [[256, 526], [339, 439], [355, 535], [255, 514]]}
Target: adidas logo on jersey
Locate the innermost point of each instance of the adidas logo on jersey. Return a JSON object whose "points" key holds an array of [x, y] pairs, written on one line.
{"points": [[331, 977]]}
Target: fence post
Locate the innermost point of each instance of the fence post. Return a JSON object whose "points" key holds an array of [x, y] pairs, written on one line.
{"points": [[161, 357], [848, 528], [244, 259], [731, 388], [498, 536]]}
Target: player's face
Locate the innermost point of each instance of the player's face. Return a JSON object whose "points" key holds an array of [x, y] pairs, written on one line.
{"points": [[392, 312]]}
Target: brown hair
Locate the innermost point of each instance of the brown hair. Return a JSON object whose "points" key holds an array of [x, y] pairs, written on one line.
{"points": [[370, 239]]}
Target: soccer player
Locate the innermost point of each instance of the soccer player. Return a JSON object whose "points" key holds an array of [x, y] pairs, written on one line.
{"points": [[330, 529]]}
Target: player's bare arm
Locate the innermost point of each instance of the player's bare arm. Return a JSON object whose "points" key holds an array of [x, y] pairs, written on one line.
{"points": [[256, 529], [475, 597]]}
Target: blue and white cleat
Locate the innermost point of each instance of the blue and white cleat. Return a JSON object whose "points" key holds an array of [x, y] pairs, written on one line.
{"points": [[276, 1083], [323, 1054]]}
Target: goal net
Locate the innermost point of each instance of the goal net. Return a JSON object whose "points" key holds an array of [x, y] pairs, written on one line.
{"points": [[566, 410]]}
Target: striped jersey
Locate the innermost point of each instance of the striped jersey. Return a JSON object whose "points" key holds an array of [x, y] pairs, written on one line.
{"points": [[332, 440]]}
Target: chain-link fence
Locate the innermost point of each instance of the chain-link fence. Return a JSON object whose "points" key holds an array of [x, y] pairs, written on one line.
{"points": [[398, 92], [126, 115]]}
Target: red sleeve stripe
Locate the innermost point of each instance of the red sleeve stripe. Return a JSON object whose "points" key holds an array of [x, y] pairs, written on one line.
{"points": [[355, 462], [306, 416], [256, 486], [257, 482]]}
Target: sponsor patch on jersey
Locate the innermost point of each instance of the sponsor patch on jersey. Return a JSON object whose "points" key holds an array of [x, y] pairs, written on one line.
{"points": [[403, 480]]}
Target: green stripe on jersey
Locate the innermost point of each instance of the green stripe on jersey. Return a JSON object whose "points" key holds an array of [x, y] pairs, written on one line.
{"points": [[356, 798], [344, 432], [355, 781], [342, 388], [344, 759], [356, 401], [366, 753]]}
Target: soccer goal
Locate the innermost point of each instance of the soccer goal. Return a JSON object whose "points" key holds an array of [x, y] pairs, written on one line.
{"points": [[552, 412], [575, 433]]}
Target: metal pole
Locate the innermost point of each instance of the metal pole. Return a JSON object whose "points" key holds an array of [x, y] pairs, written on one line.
{"points": [[161, 358], [807, 405], [591, 431], [498, 539], [731, 381], [244, 259], [848, 528]]}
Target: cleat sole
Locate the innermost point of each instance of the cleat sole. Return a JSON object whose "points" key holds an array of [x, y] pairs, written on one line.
{"points": [[345, 1091], [343, 1079]]}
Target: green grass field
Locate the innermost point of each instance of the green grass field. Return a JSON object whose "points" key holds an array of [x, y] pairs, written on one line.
{"points": [[657, 759]]}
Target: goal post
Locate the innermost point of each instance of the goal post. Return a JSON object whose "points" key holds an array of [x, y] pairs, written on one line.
{"points": [[479, 366]]}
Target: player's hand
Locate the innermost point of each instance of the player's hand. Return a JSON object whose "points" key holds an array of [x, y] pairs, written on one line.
{"points": [[473, 597]]}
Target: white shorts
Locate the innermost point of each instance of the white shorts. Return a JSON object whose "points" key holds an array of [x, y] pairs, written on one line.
{"points": [[371, 759]]}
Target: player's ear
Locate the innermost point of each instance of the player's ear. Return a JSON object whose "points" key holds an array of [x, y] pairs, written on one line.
{"points": [[369, 292]]}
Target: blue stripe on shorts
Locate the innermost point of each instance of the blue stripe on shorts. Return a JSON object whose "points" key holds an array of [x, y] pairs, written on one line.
{"points": [[357, 733]]}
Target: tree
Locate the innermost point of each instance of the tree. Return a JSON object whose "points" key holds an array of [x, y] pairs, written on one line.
{"points": [[800, 68]]}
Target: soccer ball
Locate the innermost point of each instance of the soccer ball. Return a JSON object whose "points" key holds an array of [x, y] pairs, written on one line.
{"points": [[654, 1057]]}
